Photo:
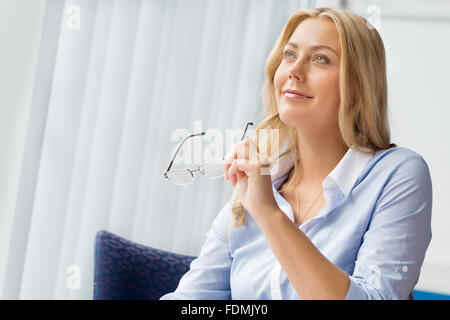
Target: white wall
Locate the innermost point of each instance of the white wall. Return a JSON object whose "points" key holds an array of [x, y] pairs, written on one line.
{"points": [[20, 30], [419, 84], [416, 36]]}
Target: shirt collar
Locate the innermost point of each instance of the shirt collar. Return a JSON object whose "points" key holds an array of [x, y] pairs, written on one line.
{"points": [[344, 175]]}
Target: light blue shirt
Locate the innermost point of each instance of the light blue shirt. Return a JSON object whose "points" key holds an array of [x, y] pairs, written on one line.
{"points": [[375, 226]]}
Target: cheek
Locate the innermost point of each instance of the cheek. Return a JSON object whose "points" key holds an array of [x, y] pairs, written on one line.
{"points": [[277, 81], [327, 88]]}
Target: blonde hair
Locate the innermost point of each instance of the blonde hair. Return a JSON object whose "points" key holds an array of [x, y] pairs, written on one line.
{"points": [[362, 115]]}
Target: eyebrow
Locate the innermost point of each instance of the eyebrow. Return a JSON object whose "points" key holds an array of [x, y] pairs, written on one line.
{"points": [[294, 45]]}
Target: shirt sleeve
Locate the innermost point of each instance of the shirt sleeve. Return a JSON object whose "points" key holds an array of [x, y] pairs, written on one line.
{"points": [[393, 248], [209, 273]]}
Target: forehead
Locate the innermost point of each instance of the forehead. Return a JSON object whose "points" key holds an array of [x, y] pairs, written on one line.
{"points": [[316, 31]]}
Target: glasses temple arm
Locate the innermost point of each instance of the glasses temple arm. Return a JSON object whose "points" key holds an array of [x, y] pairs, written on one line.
{"points": [[248, 124], [245, 131], [173, 158]]}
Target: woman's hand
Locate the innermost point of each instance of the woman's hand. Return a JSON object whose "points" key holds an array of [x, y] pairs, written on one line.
{"points": [[250, 171]]}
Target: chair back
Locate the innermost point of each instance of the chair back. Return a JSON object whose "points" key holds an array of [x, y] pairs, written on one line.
{"points": [[126, 270]]}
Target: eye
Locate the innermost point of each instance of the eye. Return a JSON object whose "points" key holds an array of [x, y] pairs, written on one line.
{"points": [[285, 52], [323, 58]]}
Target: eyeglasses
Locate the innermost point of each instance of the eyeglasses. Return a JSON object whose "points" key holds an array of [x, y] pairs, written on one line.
{"points": [[186, 176]]}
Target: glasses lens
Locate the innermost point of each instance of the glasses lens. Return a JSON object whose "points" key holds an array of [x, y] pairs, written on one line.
{"points": [[213, 170], [180, 177]]}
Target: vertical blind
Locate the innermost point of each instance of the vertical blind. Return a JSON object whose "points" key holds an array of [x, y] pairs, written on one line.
{"points": [[108, 95]]}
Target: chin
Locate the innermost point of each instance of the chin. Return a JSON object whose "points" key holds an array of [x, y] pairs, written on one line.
{"points": [[289, 121], [288, 116]]}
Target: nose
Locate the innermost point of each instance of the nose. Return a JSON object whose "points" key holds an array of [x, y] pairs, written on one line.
{"points": [[297, 70], [295, 73], [291, 75]]}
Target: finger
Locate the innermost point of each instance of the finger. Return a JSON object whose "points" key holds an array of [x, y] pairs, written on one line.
{"points": [[242, 167], [251, 145], [254, 155], [247, 152], [238, 169], [245, 149], [232, 172], [231, 155], [237, 151], [241, 176]]}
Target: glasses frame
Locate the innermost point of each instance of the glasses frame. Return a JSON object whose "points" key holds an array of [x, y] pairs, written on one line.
{"points": [[191, 171]]}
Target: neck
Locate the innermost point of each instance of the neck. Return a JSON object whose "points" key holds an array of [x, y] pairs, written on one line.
{"points": [[319, 154]]}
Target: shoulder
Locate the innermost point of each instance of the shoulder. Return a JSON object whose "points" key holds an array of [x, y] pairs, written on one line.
{"points": [[396, 155], [396, 172], [391, 161], [396, 169]]}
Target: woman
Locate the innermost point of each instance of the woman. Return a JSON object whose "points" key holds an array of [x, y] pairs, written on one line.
{"points": [[344, 214]]}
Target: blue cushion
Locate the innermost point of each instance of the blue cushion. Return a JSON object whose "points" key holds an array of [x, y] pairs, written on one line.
{"points": [[128, 270], [426, 295]]}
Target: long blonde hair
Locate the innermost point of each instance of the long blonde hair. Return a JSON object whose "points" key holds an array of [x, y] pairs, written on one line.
{"points": [[362, 115]]}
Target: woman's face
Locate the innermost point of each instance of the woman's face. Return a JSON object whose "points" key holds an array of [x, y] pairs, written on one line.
{"points": [[313, 71]]}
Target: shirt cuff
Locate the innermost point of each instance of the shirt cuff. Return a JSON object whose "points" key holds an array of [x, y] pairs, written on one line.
{"points": [[355, 292]]}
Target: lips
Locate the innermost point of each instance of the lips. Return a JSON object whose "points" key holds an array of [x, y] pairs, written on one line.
{"points": [[295, 92]]}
